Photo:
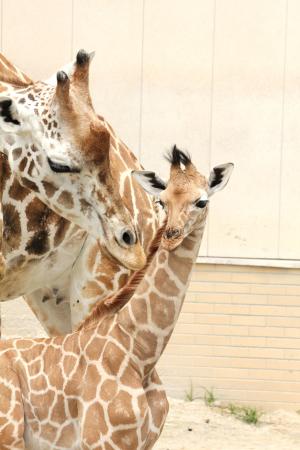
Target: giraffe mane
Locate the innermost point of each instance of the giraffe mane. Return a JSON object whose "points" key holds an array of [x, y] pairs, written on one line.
{"points": [[12, 75], [176, 157], [114, 303]]}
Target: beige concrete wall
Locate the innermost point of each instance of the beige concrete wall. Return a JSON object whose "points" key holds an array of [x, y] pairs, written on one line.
{"points": [[238, 333], [219, 78]]}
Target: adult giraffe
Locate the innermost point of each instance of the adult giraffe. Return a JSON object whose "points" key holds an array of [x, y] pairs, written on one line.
{"points": [[75, 265], [97, 389]]}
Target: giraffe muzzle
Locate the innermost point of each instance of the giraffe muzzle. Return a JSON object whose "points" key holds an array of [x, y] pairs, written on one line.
{"points": [[171, 238], [172, 233]]}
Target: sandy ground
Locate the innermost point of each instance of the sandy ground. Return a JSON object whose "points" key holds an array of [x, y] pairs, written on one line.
{"points": [[190, 425], [210, 429]]}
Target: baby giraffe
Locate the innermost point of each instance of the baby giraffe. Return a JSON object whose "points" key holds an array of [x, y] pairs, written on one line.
{"points": [[97, 388]]}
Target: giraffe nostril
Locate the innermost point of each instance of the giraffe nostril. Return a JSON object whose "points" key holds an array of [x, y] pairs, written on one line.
{"points": [[172, 233], [128, 237]]}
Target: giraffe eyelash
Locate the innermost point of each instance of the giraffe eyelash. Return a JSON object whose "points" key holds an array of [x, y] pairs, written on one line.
{"points": [[61, 168]]}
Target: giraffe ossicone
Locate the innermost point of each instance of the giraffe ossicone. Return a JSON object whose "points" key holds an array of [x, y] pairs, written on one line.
{"points": [[68, 69], [97, 388]]}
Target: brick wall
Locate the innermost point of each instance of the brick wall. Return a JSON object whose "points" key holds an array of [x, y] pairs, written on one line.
{"points": [[238, 333]]}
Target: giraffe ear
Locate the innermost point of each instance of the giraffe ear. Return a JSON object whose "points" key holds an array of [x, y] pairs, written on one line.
{"points": [[219, 177], [9, 116], [16, 118], [151, 182]]}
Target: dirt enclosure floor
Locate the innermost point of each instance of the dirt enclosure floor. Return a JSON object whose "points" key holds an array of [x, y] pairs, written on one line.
{"points": [[213, 430], [210, 428]]}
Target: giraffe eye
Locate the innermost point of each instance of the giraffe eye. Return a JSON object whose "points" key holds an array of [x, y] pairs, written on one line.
{"points": [[201, 203]]}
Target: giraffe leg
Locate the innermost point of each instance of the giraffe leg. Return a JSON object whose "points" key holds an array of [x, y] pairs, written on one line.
{"points": [[11, 410]]}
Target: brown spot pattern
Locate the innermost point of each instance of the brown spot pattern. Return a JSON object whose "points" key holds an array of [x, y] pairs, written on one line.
{"points": [[38, 244], [181, 267], [66, 200], [94, 349], [120, 410], [62, 227], [50, 189], [23, 164], [145, 344], [17, 152], [112, 358], [17, 192], [139, 309], [90, 382], [11, 226], [108, 390], [39, 215], [94, 424], [125, 441], [167, 287], [29, 184], [162, 311]]}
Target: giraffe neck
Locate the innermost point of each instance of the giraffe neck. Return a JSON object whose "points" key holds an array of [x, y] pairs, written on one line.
{"points": [[152, 313]]}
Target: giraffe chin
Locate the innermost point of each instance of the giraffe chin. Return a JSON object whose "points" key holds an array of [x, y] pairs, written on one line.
{"points": [[133, 257], [171, 244]]}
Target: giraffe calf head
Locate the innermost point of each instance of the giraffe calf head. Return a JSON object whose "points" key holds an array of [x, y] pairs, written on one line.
{"points": [[185, 196]]}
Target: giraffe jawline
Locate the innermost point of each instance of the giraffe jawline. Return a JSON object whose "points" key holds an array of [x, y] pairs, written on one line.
{"points": [[171, 244], [132, 259]]}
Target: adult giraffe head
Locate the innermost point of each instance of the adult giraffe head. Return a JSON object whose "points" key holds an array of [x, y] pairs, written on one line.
{"points": [[59, 148], [186, 195]]}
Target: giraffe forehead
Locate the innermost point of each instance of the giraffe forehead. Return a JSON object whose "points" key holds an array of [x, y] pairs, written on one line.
{"points": [[184, 180], [82, 129], [84, 136], [75, 126], [185, 189]]}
